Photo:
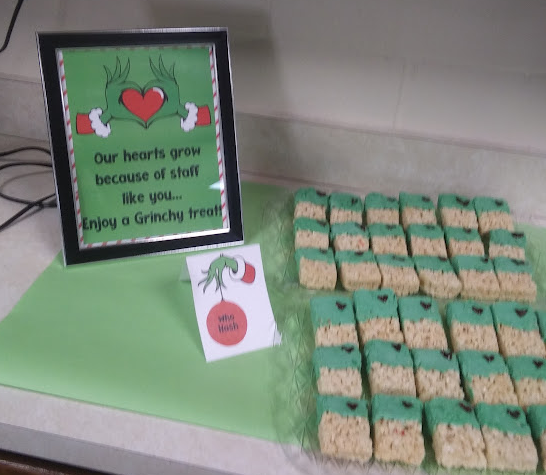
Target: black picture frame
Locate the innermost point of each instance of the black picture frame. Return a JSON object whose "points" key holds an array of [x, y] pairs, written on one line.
{"points": [[49, 43]]}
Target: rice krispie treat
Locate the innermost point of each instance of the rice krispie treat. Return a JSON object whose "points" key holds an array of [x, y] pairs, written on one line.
{"points": [[457, 211], [456, 436], [426, 240], [515, 279], [344, 428], [471, 326], [507, 436], [398, 273], [377, 316], [310, 203], [529, 377], [437, 277], [416, 209], [537, 420], [463, 242], [333, 320], [421, 323], [316, 268], [517, 330], [486, 378], [349, 237], [501, 242], [311, 233], [477, 275], [397, 429], [381, 209], [358, 270], [389, 367], [345, 208], [338, 370], [436, 374], [388, 239], [493, 213]]}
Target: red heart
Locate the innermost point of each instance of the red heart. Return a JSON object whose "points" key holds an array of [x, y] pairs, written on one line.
{"points": [[143, 106]]}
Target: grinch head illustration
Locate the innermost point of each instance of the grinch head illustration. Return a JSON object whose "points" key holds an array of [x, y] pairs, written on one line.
{"points": [[126, 100]]}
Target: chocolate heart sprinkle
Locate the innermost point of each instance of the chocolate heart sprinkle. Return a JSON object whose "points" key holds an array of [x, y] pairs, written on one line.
{"points": [[443, 259], [322, 223], [425, 305], [340, 305], [407, 404], [488, 358], [397, 346], [430, 226], [383, 298], [321, 193], [323, 251], [398, 258], [477, 310], [391, 199], [348, 349], [426, 199], [517, 235], [359, 253], [485, 260], [465, 407], [521, 312], [513, 413], [352, 405], [499, 202], [354, 201], [390, 226], [538, 363], [462, 201], [363, 227], [467, 230], [518, 262], [447, 355]]}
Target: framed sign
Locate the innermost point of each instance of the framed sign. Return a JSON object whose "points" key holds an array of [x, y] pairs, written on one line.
{"points": [[143, 141]]}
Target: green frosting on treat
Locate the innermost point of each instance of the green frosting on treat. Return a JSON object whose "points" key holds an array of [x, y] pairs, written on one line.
{"points": [[503, 417], [541, 318], [324, 255], [331, 311], [514, 314], [503, 237], [516, 266], [312, 196], [526, 367], [428, 231], [486, 204], [308, 224], [380, 201], [435, 263], [440, 360], [346, 201], [461, 234], [477, 263], [354, 257], [418, 308], [442, 410], [337, 357], [469, 311], [386, 230], [480, 363], [375, 304], [448, 200], [537, 420], [344, 406], [387, 353], [414, 200], [396, 408], [352, 229], [394, 260]]}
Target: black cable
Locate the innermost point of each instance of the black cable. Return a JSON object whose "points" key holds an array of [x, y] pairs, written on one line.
{"points": [[11, 24], [45, 202]]}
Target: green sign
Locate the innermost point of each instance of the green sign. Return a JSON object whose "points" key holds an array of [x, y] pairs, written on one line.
{"points": [[146, 157]]}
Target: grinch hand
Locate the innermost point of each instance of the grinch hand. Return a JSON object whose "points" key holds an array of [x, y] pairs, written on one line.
{"points": [[126, 100]]}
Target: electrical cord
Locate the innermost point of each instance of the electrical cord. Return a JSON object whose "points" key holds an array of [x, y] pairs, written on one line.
{"points": [[11, 24], [48, 201]]}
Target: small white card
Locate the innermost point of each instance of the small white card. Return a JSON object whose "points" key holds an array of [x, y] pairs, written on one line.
{"points": [[231, 302]]}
